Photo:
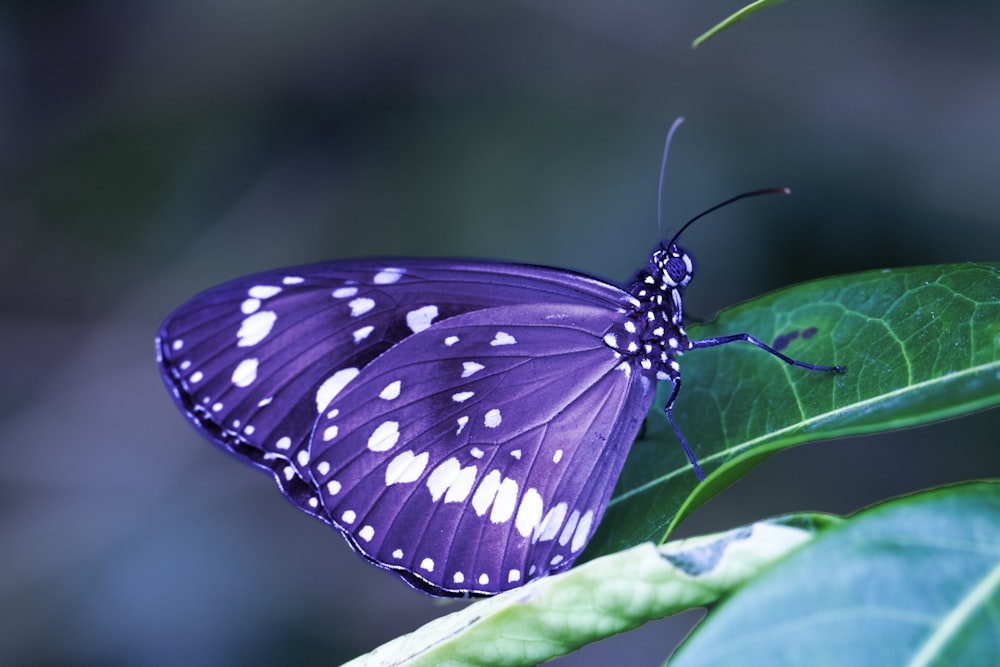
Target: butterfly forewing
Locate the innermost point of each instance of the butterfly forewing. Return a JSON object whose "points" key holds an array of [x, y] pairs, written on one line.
{"points": [[480, 453]]}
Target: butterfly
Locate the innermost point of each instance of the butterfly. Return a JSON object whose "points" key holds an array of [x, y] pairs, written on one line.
{"points": [[462, 423]]}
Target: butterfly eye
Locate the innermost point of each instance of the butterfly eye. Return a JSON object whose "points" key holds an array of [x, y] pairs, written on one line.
{"points": [[677, 270]]}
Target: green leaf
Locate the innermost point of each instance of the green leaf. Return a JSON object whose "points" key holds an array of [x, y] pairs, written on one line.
{"points": [[733, 19], [915, 581], [552, 616], [920, 344]]}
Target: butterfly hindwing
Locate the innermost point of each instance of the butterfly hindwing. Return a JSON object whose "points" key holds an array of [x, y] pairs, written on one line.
{"points": [[480, 453]]}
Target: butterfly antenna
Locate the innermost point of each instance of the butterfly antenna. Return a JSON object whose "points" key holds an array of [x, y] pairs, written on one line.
{"points": [[663, 169], [745, 195]]}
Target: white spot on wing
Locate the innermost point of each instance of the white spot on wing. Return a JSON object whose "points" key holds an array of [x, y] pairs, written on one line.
{"points": [[492, 418], [196, 377], [283, 442], [263, 291], [388, 276], [471, 368], [421, 318], [405, 468], [361, 305], [484, 579], [569, 528], [442, 477], [362, 333], [249, 306], [487, 490], [503, 338], [330, 432], [292, 280], [462, 421], [451, 480], [551, 524], [462, 396], [398, 553], [384, 437], [303, 457], [366, 533], [245, 373], [458, 578], [255, 328], [582, 531], [391, 391], [513, 576], [349, 516], [427, 564], [557, 457], [461, 486], [450, 340], [344, 292], [333, 487], [529, 512], [323, 468], [505, 501], [332, 386], [177, 344]]}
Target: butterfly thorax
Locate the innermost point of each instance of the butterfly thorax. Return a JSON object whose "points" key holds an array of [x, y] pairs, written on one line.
{"points": [[652, 333]]}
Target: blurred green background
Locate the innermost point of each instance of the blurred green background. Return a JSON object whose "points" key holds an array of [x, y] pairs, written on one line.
{"points": [[151, 150]]}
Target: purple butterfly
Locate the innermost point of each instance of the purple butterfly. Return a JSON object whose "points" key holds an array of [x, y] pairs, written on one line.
{"points": [[461, 423]]}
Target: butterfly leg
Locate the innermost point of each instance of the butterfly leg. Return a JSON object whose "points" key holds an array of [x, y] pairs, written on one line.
{"points": [[669, 410], [744, 337]]}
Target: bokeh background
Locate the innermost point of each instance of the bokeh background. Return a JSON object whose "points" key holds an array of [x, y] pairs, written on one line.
{"points": [[150, 150]]}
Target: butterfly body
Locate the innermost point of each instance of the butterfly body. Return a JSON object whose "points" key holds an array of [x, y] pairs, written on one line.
{"points": [[461, 423]]}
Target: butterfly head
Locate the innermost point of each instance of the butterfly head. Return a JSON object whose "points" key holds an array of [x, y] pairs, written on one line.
{"points": [[658, 289], [671, 266]]}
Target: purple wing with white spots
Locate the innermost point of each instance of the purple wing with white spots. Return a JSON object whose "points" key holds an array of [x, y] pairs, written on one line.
{"points": [[261, 363], [461, 423], [481, 453]]}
